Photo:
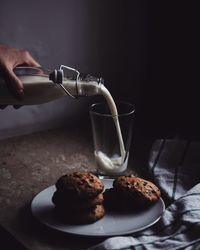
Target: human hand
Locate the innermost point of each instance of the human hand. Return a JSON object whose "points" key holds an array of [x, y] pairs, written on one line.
{"points": [[9, 59]]}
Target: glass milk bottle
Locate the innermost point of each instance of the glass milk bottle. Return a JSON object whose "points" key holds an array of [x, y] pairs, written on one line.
{"points": [[41, 86]]}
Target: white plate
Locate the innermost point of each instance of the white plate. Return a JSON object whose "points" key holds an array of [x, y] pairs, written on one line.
{"points": [[112, 224]]}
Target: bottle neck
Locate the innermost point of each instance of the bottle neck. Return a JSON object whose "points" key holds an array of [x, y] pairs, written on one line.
{"points": [[83, 85], [89, 88], [81, 88]]}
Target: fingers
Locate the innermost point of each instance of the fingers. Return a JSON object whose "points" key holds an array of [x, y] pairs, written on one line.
{"points": [[14, 84], [25, 58], [11, 58], [32, 62]]}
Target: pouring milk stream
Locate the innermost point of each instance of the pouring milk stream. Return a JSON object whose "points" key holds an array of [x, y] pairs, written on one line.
{"points": [[41, 87]]}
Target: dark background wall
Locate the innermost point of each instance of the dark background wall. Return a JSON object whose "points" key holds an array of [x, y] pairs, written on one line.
{"points": [[145, 51], [170, 100]]}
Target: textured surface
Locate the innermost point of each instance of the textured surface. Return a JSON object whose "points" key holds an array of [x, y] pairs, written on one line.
{"points": [[30, 163]]}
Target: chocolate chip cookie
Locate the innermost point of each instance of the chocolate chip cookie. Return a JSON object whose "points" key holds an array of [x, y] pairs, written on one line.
{"points": [[60, 199], [78, 198], [137, 188], [81, 184], [84, 217], [130, 193]]}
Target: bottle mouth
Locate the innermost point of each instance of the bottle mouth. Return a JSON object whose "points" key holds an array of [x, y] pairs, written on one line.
{"points": [[30, 71]]}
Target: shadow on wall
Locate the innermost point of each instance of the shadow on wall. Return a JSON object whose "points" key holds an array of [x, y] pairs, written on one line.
{"points": [[119, 35], [103, 38]]}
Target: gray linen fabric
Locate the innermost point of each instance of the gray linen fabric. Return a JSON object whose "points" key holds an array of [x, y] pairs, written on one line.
{"points": [[175, 167]]}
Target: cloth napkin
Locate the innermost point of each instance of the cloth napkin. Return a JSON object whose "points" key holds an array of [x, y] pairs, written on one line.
{"points": [[174, 166]]}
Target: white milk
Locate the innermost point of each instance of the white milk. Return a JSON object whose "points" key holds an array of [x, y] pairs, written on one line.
{"points": [[39, 89], [117, 163]]}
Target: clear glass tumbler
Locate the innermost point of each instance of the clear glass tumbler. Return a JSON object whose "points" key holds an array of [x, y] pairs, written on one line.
{"points": [[112, 137]]}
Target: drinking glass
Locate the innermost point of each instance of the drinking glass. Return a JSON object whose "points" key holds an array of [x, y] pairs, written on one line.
{"points": [[112, 137]]}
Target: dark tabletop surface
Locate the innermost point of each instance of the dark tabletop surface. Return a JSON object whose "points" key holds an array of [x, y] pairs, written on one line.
{"points": [[31, 163]]}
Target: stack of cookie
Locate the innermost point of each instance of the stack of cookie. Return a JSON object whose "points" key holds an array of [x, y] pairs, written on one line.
{"points": [[130, 193], [78, 198]]}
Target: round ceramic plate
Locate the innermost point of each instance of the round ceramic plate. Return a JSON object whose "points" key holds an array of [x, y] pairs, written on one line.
{"points": [[112, 224]]}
